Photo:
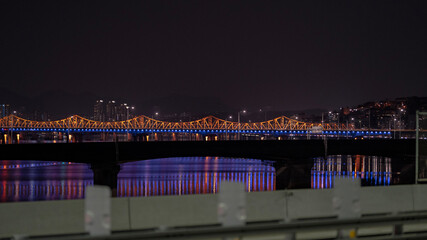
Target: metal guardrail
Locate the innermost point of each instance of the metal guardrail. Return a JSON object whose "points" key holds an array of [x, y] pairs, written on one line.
{"points": [[267, 229]]}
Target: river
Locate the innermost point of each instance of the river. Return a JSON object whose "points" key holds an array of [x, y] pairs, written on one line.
{"points": [[38, 180]]}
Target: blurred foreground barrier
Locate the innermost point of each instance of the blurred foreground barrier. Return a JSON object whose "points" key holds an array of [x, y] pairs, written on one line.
{"points": [[305, 212], [98, 210]]}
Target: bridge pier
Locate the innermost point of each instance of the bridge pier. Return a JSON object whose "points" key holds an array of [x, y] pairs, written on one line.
{"points": [[5, 138], [103, 137], [9, 138], [295, 173], [106, 174], [140, 137]]}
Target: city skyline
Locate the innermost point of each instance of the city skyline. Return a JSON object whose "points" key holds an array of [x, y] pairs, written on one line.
{"points": [[396, 113], [289, 56], [82, 104]]}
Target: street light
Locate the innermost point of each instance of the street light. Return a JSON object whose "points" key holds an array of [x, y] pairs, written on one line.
{"points": [[238, 120], [132, 111], [226, 129], [127, 112], [127, 123], [400, 123], [265, 114], [394, 132]]}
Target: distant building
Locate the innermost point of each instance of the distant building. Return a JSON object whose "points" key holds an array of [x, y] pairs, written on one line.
{"points": [[111, 111], [4, 110], [39, 116], [123, 112], [99, 110], [386, 114]]}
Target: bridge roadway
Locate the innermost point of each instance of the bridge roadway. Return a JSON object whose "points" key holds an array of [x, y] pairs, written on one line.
{"points": [[105, 157]]}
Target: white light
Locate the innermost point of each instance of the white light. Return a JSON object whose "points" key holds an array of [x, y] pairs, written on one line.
{"points": [[244, 111]]}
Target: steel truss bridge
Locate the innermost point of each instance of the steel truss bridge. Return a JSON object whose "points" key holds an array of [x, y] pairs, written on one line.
{"points": [[207, 125]]}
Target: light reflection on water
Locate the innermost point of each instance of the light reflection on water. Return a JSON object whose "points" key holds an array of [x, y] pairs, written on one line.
{"points": [[37, 180], [192, 175], [372, 170]]}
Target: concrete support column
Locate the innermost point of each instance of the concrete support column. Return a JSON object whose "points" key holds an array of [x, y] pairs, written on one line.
{"points": [[5, 138], [293, 173], [17, 138], [70, 138], [106, 174], [103, 137]]}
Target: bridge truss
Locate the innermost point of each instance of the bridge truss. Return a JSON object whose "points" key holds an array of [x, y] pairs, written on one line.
{"points": [[143, 122]]}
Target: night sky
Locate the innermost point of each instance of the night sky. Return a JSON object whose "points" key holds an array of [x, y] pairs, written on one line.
{"points": [[288, 55]]}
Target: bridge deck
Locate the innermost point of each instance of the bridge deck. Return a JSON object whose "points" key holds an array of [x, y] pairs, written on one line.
{"points": [[270, 150]]}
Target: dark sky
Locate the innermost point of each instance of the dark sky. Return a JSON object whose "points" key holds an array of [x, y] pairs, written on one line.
{"points": [[290, 55]]}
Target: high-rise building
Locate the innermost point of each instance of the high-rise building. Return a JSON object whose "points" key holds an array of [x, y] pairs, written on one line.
{"points": [[99, 111], [4, 110], [111, 111], [123, 112]]}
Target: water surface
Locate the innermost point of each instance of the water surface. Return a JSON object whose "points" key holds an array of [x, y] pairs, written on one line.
{"points": [[38, 180]]}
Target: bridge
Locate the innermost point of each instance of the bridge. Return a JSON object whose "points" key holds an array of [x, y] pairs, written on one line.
{"points": [[207, 128]]}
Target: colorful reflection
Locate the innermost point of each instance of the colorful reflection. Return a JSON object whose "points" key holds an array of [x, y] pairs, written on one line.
{"points": [[372, 170], [37, 180], [193, 175]]}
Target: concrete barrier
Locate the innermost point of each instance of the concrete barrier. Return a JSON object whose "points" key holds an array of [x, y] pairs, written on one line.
{"points": [[137, 213], [307, 203], [386, 200], [265, 206], [55, 217], [41, 218], [173, 211]]}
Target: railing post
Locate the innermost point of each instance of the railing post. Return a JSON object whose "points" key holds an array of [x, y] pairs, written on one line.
{"points": [[98, 211], [232, 204], [417, 128], [346, 203]]}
